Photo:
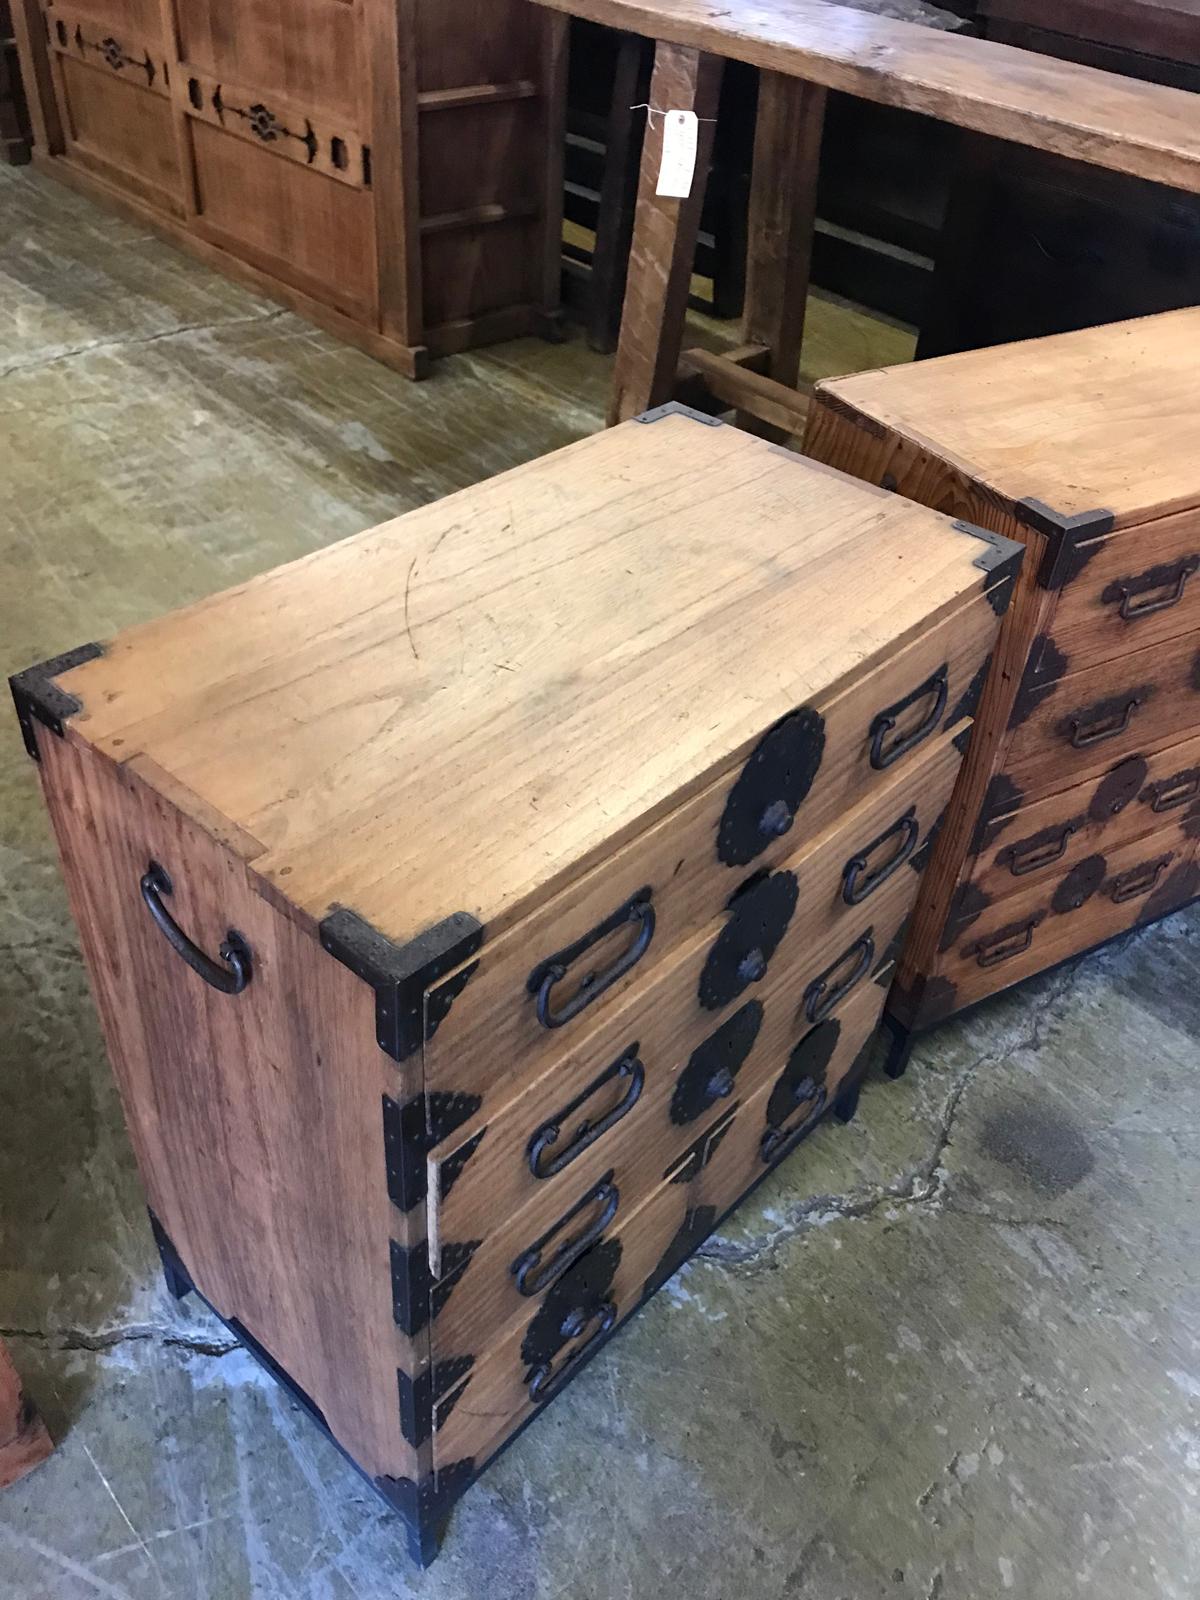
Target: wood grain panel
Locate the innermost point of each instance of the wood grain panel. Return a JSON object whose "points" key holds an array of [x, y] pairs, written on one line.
{"points": [[495, 1397], [122, 131], [1079, 725], [492, 1043], [514, 629], [667, 1029], [305, 51], [255, 1117], [1099, 117], [299, 226], [1133, 798]]}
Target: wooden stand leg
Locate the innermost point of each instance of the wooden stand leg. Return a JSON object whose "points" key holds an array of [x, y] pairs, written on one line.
{"points": [[900, 1048], [36, 78], [783, 204], [618, 192], [664, 238], [175, 1273]]}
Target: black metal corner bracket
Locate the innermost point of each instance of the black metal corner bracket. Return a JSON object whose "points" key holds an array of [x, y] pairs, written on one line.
{"points": [[1063, 559], [39, 699], [999, 562], [676, 408], [400, 973]]}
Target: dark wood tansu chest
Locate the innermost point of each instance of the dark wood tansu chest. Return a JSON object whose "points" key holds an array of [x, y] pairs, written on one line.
{"points": [[392, 171], [478, 908], [1077, 816]]}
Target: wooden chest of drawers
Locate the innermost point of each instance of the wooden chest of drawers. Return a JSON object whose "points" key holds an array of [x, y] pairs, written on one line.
{"points": [[478, 908], [391, 170], [1077, 815]]}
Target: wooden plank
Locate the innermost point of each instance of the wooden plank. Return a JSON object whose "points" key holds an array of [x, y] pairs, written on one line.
{"points": [[388, 28], [24, 1442], [382, 677], [1141, 128], [783, 204], [555, 44], [779, 405], [29, 30], [664, 238], [618, 194]]}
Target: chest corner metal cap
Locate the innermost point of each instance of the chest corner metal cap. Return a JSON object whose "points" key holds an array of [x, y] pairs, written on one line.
{"points": [[38, 698]]}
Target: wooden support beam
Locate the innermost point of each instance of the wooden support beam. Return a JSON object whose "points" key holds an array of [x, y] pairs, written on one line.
{"points": [[738, 388], [664, 238]]}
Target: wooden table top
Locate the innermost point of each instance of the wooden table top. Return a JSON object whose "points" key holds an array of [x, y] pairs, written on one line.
{"points": [[1144, 129]]}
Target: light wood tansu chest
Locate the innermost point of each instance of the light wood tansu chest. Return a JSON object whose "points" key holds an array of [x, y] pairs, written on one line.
{"points": [[479, 907], [1077, 816]]}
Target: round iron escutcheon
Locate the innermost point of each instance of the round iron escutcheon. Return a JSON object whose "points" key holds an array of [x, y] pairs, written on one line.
{"points": [[1079, 885], [801, 1081], [1117, 788], [570, 1301], [771, 787], [713, 1065], [759, 915]]}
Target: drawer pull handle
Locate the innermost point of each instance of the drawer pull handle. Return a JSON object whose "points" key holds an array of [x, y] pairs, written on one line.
{"points": [[544, 1162], [1105, 723], [1172, 578], [819, 998], [1139, 880], [777, 1141], [855, 886], [1031, 854], [544, 1383], [532, 1277], [231, 978], [936, 689], [1168, 793], [547, 974], [1009, 942]]}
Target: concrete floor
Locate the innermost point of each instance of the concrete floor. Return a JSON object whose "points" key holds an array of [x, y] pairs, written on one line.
{"points": [[950, 1352]]}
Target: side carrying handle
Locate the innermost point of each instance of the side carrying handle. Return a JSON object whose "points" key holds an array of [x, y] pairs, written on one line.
{"points": [[936, 690], [547, 974], [231, 978]]}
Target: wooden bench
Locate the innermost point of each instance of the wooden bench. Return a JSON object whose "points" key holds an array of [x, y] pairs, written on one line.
{"points": [[804, 48]]}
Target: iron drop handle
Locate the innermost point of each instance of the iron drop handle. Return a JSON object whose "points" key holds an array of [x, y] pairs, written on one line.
{"points": [[1087, 731], [857, 882], [532, 1276], [819, 998], [545, 1158], [1006, 944], [1031, 854], [1168, 793], [548, 974], [1139, 880], [1162, 586], [935, 689], [776, 1141], [230, 978], [543, 1381]]}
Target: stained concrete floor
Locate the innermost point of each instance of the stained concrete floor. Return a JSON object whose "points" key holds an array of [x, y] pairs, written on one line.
{"points": [[949, 1352]]}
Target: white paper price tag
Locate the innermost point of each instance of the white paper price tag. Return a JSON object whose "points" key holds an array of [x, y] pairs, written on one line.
{"points": [[678, 169]]}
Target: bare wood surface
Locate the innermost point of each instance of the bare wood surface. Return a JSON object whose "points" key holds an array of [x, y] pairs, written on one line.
{"points": [[269, 1177], [1130, 126], [663, 249], [480, 668], [24, 1442], [783, 209]]}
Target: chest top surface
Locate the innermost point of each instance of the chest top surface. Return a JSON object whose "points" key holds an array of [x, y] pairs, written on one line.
{"points": [[458, 709], [1105, 419]]}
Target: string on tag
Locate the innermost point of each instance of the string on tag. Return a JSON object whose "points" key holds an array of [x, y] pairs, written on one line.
{"points": [[654, 111]]}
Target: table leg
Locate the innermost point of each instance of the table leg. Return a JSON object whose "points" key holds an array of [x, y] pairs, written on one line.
{"points": [[664, 238], [783, 205], [618, 193]]}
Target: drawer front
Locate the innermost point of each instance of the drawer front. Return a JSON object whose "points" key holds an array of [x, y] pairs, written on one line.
{"points": [[527, 998], [1097, 898], [1081, 725], [512, 1373], [690, 1096], [1041, 842], [1132, 590], [618, 1087]]}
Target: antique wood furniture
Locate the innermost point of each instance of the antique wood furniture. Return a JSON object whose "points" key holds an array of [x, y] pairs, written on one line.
{"points": [[14, 117], [1037, 245], [24, 1442], [477, 908], [391, 168], [804, 48], [1077, 815]]}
